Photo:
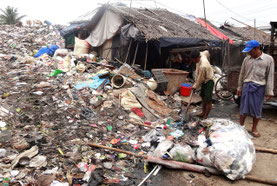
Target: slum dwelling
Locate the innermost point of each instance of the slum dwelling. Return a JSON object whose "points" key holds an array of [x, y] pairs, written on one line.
{"points": [[144, 37]]}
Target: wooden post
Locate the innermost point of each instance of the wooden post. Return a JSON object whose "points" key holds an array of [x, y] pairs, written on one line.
{"points": [[128, 51], [228, 54], [134, 60], [146, 55]]}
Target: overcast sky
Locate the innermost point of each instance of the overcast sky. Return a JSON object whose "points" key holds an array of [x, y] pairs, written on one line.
{"points": [[217, 11]]}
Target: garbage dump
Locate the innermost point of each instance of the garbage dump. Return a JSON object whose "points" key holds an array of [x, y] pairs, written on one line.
{"points": [[54, 104]]}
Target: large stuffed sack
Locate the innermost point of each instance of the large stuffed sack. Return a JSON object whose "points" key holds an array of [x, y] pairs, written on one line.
{"points": [[81, 46], [228, 147]]}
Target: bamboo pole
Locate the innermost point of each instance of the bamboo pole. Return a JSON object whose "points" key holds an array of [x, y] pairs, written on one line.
{"points": [[134, 60], [181, 165], [128, 51]]}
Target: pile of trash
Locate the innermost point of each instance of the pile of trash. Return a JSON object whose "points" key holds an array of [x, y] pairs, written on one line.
{"points": [[52, 107], [55, 103], [221, 144]]}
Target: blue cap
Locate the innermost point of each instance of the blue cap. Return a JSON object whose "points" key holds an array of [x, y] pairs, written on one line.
{"points": [[250, 45]]}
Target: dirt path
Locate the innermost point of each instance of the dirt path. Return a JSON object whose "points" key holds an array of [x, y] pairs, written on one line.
{"points": [[265, 166]]}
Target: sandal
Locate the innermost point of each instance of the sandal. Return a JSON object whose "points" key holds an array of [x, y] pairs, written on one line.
{"points": [[255, 134]]}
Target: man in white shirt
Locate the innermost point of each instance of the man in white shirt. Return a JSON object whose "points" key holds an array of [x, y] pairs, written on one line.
{"points": [[256, 81]]}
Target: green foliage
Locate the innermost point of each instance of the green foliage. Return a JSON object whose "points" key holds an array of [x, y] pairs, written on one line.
{"points": [[10, 16]]}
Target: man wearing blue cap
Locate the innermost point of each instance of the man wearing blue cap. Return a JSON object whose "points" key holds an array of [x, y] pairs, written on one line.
{"points": [[256, 81]]}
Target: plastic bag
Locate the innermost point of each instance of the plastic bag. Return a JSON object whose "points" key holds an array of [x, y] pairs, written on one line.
{"points": [[202, 152], [163, 147], [182, 153], [81, 46], [64, 64], [154, 136], [229, 148], [60, 52]]}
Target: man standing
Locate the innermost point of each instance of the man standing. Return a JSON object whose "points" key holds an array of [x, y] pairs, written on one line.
{"points": [[256, 80], [204, 78]]}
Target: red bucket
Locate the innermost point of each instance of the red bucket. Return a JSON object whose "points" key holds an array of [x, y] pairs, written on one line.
{"points": [[186, 89]]}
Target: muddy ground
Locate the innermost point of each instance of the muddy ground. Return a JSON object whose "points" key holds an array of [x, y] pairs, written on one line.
{"points": [[266, 163]]}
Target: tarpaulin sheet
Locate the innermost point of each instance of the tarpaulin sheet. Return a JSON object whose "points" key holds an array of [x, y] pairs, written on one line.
{"points": [[72, 28], [168, 41], [127, 32], [50, 51], [213, 30], [105, 29]]}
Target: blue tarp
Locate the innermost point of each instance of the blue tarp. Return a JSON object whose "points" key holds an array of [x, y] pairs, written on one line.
{"points": [[50, 51], [94, 83]]}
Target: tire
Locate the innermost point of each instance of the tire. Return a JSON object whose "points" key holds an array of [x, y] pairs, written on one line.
{"points": [[221, 90]]}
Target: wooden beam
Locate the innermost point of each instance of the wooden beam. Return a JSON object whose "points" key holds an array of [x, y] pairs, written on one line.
{"points": [[193, 48]]}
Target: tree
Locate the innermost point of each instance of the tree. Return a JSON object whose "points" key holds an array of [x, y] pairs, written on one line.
{"points": [[10, 16]]}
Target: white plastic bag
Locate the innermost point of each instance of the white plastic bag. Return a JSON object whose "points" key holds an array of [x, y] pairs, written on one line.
{"points": [[63, 64], [162, 148], [182, 153]]}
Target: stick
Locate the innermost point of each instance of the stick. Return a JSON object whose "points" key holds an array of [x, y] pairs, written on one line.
{"points": [[117, 150], [260, 180], [181, 165], [190, 97], [136, 123], [118, 60], [261, 149], [134, 60]]}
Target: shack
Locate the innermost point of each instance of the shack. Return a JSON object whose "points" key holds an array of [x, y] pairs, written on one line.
{"points": [[144, 37]]}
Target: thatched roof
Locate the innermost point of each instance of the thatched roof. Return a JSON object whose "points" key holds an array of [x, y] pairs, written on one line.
{"points": [[157, 23], [152, 23], [242, 34], [247, 33]]}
